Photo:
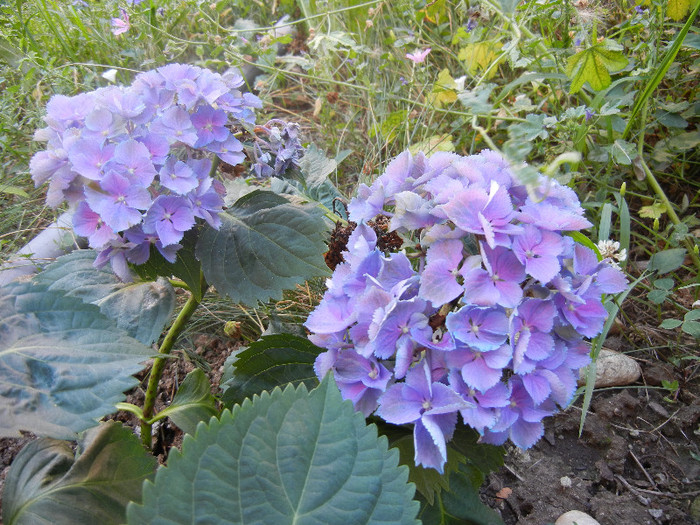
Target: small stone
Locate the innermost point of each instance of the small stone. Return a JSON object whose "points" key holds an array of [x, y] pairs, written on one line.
{"points": [[656, 513], [613, 369], [565, 482], [575, 517]]}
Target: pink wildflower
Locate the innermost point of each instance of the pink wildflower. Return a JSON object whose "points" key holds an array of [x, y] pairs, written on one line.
{"points": [[417, 56], [121, 25]]}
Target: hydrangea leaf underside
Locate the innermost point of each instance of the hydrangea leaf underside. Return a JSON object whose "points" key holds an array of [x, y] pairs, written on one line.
{"points": [[265, 245], [141, 309], [47, 484], [63, 364], [286, 457], [275, 360]]}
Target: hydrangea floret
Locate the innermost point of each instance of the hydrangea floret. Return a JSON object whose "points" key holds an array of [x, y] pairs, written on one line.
{"points": [[136, 162], [482, 313]]}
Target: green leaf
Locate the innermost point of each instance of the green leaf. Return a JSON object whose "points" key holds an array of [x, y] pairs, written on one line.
{"points": [[185, 267], [460, 506], [486, 458], [47, 484], [13, 190], [274, 360], [63, 364], [283, 458], [670, 324], [141, 309], [265, 245], [315, 166], [192, 403], [667, 260], [677, 9], [653, 211], [623, 152], [657, 296], [691, 323], [594, 65], [429, 482], [535, 126]]}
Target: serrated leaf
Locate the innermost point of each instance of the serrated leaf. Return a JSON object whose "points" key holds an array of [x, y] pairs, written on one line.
{"points": [[192, 403], [274, 360], [594, 65], [286, 457], [677, 9], [667, 260], [325, 193], [265, 245], [48, 484], [141, 309], [316, 166], [63, 364]]}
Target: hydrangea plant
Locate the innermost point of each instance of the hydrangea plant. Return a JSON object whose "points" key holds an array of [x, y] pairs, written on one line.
{"points": [[484, 311], [137, 162], [139, 165]]}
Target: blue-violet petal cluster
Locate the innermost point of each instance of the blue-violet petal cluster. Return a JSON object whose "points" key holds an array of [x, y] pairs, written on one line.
{"points": [[136, 160], [483, 313]]}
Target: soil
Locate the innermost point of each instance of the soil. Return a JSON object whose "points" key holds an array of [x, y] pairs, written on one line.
{"points": [[637, 461]]}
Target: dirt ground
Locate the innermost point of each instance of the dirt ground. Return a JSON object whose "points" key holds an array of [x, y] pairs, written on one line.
{"points": [[636, 463]]}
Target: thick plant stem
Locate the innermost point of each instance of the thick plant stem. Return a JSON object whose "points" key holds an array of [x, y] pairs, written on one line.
{"points": [[159, 364]]}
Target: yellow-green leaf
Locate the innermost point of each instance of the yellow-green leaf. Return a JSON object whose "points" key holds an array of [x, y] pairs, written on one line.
{"points": [[479, 56], [677, 9], [654, 211], [594, 65], [444, 90], [433, 144]]}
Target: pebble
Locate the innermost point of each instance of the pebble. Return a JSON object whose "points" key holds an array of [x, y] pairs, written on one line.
{"points": [[613, 369], [575, 517]]}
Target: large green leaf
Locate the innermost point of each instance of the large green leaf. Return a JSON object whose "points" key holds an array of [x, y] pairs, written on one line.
{"points": [[594, 65], [48, 485], [63, 364], [274, 360], [283, 458], [265, 245], [192, 403], [141, 308]]}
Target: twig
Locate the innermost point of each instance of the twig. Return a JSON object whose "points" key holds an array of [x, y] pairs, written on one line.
{"points": [[669, 419], [514, 473], [641, 467], [634, 490], [637, 490]]}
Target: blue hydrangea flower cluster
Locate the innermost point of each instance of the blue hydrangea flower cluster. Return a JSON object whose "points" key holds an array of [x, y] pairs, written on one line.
{"points": [[483, 313], [136, 160], [277, 148]]}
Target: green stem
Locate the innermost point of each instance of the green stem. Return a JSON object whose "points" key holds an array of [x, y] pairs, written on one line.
{"points": [[658, 190], [159, 364]]}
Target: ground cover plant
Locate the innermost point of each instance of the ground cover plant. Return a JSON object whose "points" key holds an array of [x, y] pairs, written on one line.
{"points": [[473, 180]]}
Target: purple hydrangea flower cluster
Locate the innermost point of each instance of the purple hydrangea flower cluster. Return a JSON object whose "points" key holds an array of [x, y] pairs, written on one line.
{"points": [[483, 313], [135, 160]]}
